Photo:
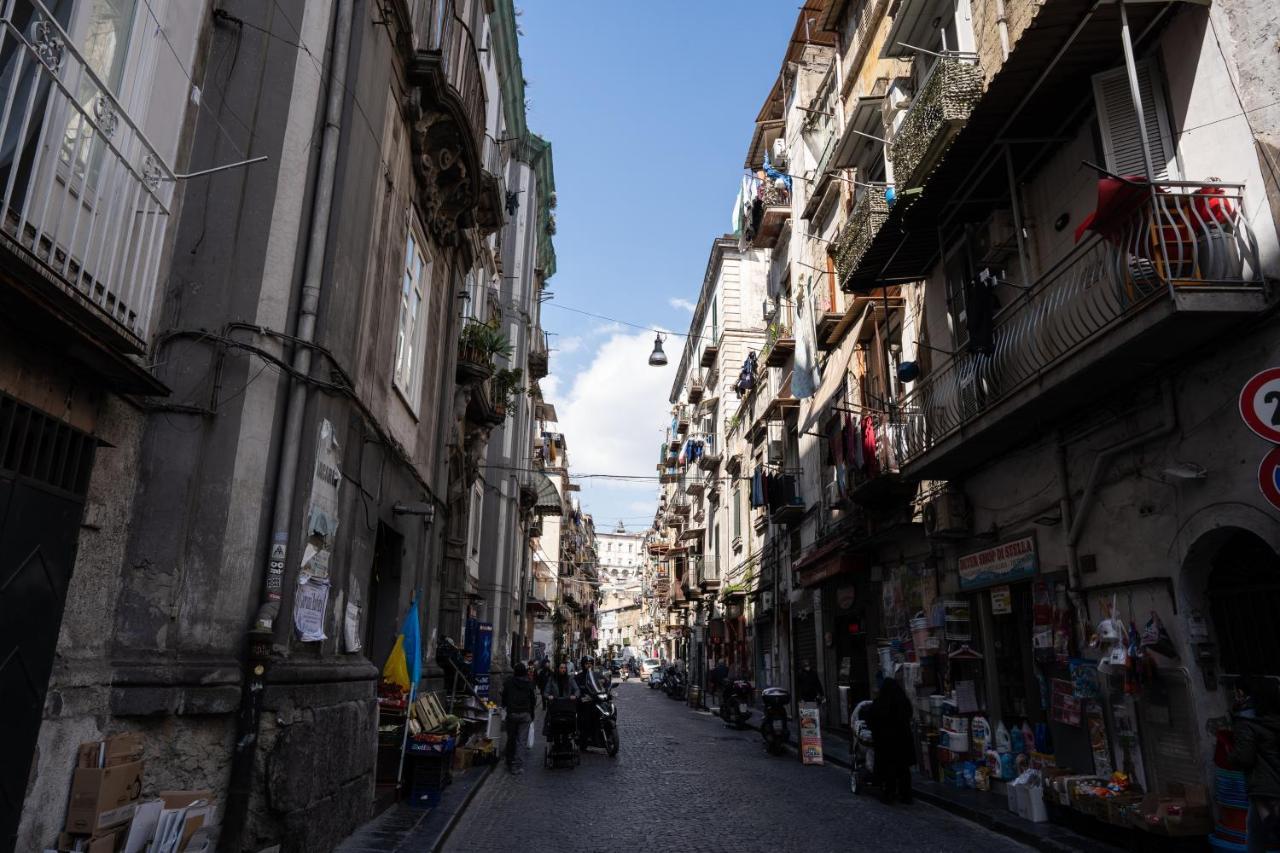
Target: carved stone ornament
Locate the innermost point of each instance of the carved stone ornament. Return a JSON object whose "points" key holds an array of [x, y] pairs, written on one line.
{"points": [[448, 188]]}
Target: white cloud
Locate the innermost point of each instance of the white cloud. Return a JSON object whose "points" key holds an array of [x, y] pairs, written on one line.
{"points": [[573, 343], [611, 328], [612, 415], [682, 304]]}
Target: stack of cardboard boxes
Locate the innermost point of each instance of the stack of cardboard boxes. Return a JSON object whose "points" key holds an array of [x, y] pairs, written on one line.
{"points": [[107, 814]]}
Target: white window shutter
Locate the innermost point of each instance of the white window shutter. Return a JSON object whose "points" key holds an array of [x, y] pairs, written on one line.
{"points": [[1119, 123]]}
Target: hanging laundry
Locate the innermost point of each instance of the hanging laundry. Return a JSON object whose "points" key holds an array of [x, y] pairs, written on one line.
{"points": [[853, 444], [747, 376], [980, 311], [870, 460], [757, 489], [835, 441]]}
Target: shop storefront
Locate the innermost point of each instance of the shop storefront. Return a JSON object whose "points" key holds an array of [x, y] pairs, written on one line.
{"points": [[834, 639]]}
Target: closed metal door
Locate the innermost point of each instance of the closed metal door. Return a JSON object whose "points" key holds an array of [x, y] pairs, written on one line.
{"points": [[44, 471]]}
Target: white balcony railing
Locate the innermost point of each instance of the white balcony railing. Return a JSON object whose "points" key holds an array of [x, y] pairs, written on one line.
{"points": [[1178, 239], [86, 195]]}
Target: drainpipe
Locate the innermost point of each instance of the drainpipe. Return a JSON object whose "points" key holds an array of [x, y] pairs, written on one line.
{"points": [[260, 635], [1075, 525], [1002, 21]]}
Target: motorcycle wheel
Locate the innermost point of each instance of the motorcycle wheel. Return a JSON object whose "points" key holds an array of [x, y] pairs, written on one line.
{"points": [[611, 742]]}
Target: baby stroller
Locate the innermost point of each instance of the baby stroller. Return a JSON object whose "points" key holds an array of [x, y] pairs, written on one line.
{"points": [[561, 730], [862, 756]]}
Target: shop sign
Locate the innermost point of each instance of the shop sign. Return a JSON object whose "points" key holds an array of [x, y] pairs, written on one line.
{"points": [[1260, 404], [810, 733], [999, 564], [1269, 477], [1001, 601]]}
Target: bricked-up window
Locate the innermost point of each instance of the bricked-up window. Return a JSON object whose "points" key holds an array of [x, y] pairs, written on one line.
{"points": [[410, 329]]}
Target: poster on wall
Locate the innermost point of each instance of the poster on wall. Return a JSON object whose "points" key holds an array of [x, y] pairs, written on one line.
{"points": [[999, 564], [810, 733], [1001, 601]]}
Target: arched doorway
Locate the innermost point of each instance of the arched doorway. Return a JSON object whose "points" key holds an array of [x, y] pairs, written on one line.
{"points": [[1243, 593]]}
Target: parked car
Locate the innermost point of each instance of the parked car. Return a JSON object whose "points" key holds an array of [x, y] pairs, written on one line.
{"points": [[650, 666]]}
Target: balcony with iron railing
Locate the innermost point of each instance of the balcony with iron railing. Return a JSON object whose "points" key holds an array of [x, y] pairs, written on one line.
{"points": [[1171, 268], [938, 111], [869, 213], [439, 31], [710, 457], [695, 390], [86, 196], [769, 212], [539, 356], [779, 346], [785, 499]]}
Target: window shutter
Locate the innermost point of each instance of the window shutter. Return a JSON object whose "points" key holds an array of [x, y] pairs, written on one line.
{"points": [[1118, 121]]}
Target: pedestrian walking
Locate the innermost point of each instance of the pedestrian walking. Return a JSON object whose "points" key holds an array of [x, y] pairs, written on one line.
{"points": [[890, 719], [544, 675], [519, 698], [809, 685], [1256, 732], [719, 676]]}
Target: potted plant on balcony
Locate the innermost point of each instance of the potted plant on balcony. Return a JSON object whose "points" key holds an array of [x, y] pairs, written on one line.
{"points": [[478, 345], [506, 384]]}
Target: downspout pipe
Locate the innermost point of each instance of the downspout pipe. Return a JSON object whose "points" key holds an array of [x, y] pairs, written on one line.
{"points": [[305, 326], [260, 637], [1075, 524]]}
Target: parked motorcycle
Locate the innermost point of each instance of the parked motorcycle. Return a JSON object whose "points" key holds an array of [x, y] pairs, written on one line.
{"points": [[674, 683], [598, 722], [734, 702], [774, 728], [655, 679]]}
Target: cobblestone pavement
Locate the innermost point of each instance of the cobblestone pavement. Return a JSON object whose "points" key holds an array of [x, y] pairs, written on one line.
{"points": [[683, 782]]}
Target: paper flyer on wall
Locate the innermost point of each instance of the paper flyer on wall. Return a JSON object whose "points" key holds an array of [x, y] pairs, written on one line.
{"points": [[309, 608]]}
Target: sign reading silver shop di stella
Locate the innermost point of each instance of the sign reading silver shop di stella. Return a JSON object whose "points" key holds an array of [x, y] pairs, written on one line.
{"points": [[1008, 561]]}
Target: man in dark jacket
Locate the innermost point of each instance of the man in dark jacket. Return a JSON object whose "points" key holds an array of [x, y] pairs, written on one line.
{"points": [[519, 698], [809, 685], [890, 719], [1256, 732]]}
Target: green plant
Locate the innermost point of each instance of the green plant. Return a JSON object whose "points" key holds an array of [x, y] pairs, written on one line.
{"points": [[485, 341], [506, 384]]}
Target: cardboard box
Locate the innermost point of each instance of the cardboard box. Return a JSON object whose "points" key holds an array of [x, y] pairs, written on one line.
{"points": [[68, 843], [112, 752], [103, 798]]}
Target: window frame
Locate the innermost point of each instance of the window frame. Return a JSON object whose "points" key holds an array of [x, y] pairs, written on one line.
{"points": [[409, 386]]}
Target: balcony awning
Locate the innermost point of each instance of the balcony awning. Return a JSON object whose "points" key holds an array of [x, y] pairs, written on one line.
{"points": [[912, 25], [545, 412], [693, 533], [548, 502], [853, 149]]}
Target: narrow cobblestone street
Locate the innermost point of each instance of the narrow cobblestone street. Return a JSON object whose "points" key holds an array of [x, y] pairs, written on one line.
{"points": [[683, 782]]}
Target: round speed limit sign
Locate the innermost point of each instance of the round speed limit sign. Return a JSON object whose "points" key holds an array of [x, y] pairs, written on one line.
{"points": [[1260, 404]]}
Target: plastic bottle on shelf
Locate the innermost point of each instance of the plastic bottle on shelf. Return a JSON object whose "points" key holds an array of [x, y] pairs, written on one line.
{"points": [[1016, 742], [979, 735], [1028, 737], [1003, 742]]}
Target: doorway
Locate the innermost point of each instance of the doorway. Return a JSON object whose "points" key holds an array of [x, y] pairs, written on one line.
{"points": [[44, 474]]}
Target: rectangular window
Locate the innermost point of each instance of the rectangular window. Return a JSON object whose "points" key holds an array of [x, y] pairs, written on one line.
{"points": [[1118, 121], [410, 329], [737, 512]]}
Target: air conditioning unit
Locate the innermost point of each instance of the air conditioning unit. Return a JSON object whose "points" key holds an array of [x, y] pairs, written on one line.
{"points": [[996, 240], [776, 454], [946, 516]]}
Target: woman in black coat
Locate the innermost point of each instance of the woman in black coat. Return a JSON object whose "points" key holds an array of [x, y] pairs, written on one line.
{"points": [[890, 719]]}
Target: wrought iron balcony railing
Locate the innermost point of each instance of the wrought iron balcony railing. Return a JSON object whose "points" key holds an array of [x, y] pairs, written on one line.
{"points": [[1186, 245], [437, 28], [941, 108], [86, 195]]}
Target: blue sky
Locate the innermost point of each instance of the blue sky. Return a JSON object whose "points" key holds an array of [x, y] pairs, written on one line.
{"points": [[649, 108]]}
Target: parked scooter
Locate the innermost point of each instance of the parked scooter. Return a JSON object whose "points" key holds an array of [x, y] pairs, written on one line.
{"points": [[734, 701], [674, 684], [774, 728]]}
